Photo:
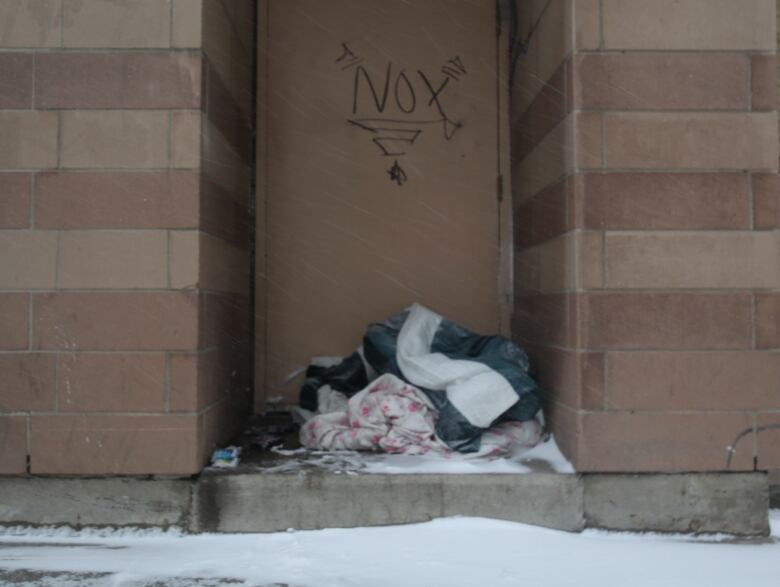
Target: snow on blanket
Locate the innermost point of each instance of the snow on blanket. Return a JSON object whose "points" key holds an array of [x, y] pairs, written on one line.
{"points": [[395, 417]]}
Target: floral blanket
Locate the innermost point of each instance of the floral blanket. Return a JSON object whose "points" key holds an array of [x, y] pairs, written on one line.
{"points": [[395, 417]]}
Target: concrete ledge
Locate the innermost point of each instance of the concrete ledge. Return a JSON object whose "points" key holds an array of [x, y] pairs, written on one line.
{"points": [[94, 502], [552, 501], [269, 503], [701, 503]]}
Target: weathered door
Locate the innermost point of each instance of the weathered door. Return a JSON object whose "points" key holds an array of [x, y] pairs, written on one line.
{"points": [[379, 157]]}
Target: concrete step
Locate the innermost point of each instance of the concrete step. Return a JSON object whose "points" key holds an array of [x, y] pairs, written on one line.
{"points": [[247, 501], [267, 503]]}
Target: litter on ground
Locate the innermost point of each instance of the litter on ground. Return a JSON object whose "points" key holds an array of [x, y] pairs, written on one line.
{"points": [[226, 458]]}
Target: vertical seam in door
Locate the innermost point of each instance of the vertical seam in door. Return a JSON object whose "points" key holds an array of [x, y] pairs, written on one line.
{"points": [[264, 94], [499, 178]]}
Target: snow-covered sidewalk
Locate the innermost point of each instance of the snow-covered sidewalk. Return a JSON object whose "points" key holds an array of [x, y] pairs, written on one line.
{"points": [[451, 552]]}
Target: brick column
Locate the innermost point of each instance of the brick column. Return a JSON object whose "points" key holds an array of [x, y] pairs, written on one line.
{"points": [[648, 272], [552, 257], [119, 273]]}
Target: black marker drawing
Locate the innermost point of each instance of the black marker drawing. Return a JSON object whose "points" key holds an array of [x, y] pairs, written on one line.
{"points": [[413, 99], [380, 103], [348, 57], [454, 68], [397, 174], [450, 126], [410, 95], [391, 135]]}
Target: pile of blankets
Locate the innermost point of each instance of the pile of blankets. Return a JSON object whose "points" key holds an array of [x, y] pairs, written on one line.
{"points": [[421, 383]]}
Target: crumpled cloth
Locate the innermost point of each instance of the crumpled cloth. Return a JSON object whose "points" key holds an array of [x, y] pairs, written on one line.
{"points": [[474, 382], [393, 416]]}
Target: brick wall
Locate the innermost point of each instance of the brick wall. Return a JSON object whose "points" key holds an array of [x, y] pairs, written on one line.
{"points": [[648, 255], [124, 265], [226, 220], [549, 251]]}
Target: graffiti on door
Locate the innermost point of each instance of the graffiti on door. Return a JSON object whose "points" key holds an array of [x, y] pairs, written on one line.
{"points": [[396, 107]]}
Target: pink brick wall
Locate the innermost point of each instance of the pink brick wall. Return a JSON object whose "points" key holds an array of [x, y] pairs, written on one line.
{"points": [[124, 257], [647, 255]]}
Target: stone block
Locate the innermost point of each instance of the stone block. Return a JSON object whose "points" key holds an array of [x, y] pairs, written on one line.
{"points": [[94, 502], [731, 503]]}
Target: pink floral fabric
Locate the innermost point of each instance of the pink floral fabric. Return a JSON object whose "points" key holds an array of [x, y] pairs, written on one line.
{"points": [[388, 415], [392, 416]]}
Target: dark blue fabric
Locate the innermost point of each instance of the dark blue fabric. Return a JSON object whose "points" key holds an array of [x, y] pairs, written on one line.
{"points": [[498, 353], [501, 355], [348, 377]]}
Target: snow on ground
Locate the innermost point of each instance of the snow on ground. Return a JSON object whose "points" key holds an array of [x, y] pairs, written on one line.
{"points": [[545, 457], [451, 552]]}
